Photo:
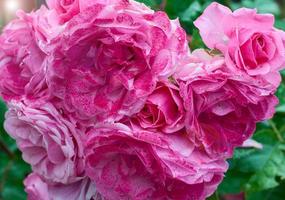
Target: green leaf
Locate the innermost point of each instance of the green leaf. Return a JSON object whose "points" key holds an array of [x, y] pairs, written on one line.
{"points": [[4, 137], [3, 109], [270, 166], [280, 23], [13, 169], [151, 3], [280, 108], [256, 160], [254, 170], [266, 165], [196, 41], [280, 94], [175, 7], [191, 12], [233, 182], [263, 6], [12, 175], [277, 193], [267, 6]]}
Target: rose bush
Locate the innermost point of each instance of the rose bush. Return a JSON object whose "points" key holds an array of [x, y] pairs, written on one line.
{"points": [[50, 142], [105, 94], [111, 57]]}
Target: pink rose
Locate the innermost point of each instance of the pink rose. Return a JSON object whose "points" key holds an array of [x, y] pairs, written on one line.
{"points": [[132, 163], [66, 9], [248, 40], [46, 24], [21, 60], [163, 109], [222, 108], [110, 56], [38, 189], [49, 142]]}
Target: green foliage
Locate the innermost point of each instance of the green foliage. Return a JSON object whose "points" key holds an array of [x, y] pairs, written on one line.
{"points": [[12, 168], [263, 6], [151, 3], [277, 193]]}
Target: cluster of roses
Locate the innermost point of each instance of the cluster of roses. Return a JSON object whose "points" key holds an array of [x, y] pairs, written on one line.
{"points": [[107, 102]]}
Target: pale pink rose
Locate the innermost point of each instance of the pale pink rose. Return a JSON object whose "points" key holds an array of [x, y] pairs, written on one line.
{"points": [[21, 60], [66, 9], [132, 163], [46, 24], [38, 189], [222, 108], [249, 41], [110, 56], [163, 110], [49, 141]]}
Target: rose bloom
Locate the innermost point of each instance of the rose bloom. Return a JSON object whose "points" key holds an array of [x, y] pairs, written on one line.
{"points": [[222, 108], [110, 56], [248, 40], [132, 163], [65, 9], [38, 189], [48, 141], [47, 25], [163, 109], [21, 60]]}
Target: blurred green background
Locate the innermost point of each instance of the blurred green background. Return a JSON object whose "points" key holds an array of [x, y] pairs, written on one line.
{"points": [[253, 174]]}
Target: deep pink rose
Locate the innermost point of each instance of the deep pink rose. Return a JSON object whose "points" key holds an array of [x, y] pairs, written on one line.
{"points": [[163, 109], [248, 40], [222, 108], [49, 142], [132, 163], [38, 189], [110, 56], [66, 9], [21, 60]]}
